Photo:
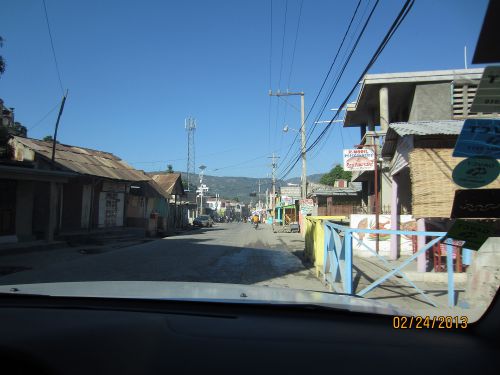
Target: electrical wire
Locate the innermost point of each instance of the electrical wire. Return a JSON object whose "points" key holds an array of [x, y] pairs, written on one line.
{"points": [[283, 44], [295, 43], [270, 75], [395, 25], [44, 117], [327, 75], [52, 45], [339, 76]]}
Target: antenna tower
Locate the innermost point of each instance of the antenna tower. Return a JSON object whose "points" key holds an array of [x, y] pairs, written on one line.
{"points": [[190, 126]]}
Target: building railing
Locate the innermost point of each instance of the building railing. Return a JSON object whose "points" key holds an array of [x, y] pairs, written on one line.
{"points": [[338, 259]]}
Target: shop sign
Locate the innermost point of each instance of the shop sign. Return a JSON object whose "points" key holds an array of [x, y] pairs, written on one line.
{"points": [[479, 137], [359, 159], [475, 172]]}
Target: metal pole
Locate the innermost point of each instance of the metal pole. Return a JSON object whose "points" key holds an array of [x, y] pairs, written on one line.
{"points": [[57, 126], [303, 147], [377, 208]]}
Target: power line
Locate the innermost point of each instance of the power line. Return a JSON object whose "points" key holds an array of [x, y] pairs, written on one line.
{"points": [[52, 45], [44, 117], [295, 43], [395, 25], [339, 75], [397, 22], [334, 59], [283, 44], [281, 71], [270, 75], [327, 75]]}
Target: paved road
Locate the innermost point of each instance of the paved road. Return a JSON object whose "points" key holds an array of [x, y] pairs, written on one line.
{"points": [[226, 253]]}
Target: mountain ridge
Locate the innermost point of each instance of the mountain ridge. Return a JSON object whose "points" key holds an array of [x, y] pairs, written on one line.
{"points": [[230, 187]]}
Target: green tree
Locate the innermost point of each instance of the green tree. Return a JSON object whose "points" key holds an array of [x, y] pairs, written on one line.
{"points": [[170, 168], [48, 138], [336, 173]]}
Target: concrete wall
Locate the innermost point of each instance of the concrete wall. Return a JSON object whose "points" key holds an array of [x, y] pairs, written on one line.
{"points": [[72, 207], [40, 209], [483, 277], [24, 210], [315, 239], [385, 189], [431, 102]]}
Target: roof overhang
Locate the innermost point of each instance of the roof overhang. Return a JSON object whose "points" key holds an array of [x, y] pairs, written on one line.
{"points": [[31, 174], [365, 111]]}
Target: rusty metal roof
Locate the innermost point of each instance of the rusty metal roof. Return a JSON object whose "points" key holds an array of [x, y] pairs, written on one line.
{"points": [[168, 182], [85, 161]]}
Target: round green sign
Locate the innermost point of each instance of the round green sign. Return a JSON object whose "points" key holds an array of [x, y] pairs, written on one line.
{"points": [[475, 172]]}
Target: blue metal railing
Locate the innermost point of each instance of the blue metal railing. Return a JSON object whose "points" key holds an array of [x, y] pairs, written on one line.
{"points": [[338, 259]]}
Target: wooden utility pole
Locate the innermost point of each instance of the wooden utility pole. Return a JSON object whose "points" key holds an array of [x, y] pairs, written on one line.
{"points": [[61, 109], [303, 177], [273, 200]]}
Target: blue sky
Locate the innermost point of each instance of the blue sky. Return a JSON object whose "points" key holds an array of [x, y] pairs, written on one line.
{"points": [[136, 69]]}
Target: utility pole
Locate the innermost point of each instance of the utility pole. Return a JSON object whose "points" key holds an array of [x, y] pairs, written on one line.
{"points": [[54, 141], [202, 188], [273, 199], [303, 177], [260, 204]]}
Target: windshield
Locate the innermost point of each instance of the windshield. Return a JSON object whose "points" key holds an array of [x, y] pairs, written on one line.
{"points": [[253, 143]]}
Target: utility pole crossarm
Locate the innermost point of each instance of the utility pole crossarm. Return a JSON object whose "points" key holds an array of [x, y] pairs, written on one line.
{"points": [[279, 93]]}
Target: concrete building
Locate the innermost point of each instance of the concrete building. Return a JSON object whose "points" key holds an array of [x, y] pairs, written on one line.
{"points": [[405, 97]]}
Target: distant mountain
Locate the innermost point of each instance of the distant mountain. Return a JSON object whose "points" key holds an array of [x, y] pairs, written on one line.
{"points": [[312, 178], [242, 187]]}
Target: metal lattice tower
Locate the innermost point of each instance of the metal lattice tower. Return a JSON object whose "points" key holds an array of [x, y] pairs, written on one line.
{"points": [[190, 126]]}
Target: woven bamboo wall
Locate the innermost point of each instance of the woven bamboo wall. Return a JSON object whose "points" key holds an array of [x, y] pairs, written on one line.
{"points": [[433, 189]]}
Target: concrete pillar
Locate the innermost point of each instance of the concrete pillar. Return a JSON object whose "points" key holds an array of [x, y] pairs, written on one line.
{"points": [[362, 130], [52, 219], [24, 210], [384, 108], [394, 219], [421, 263]]}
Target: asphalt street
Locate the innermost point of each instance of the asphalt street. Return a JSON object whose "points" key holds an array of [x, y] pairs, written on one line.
{"points": [[233, 253]]}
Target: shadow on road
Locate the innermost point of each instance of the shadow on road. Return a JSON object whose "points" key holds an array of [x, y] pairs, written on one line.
{"points": [[182, 258]]}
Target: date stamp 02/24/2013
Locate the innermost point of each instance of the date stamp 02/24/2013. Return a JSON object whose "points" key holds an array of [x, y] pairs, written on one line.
{"points": [[430, 322]]}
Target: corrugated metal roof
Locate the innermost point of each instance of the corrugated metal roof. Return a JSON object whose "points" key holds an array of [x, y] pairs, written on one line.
{"points": [[85, 161], [400, 129], [167, 181], [320, 189], [156, 187], [451, 127]]}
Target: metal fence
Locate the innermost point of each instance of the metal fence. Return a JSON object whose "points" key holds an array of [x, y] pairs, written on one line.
{"points": [[338, 259]]}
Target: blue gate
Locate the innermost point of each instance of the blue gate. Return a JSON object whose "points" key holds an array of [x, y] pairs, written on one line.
{"points": [[338, 259]]}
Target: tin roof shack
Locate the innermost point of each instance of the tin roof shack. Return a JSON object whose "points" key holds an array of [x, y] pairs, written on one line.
{"points": [[421, 167], [343, 199], [93, 197], [171, 183], [147, 206], [406, 97]]}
